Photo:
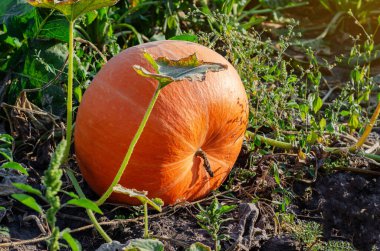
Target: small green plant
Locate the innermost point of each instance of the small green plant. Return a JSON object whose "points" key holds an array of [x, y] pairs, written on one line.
{"points": [[309, 234], [211, 220], [6, 142], [156, 203], [52, 182], [198, 247]]}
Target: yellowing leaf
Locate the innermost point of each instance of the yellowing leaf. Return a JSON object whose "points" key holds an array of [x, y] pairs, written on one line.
{"points": [[167, 70], [72, 8], [140, 195], [302, 156]]}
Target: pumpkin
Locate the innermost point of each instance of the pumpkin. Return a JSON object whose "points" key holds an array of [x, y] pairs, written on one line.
{"points": [[210, 115]]}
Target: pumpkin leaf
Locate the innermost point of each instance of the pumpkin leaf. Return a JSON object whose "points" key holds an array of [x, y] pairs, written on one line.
{"points": [[198, 247], [140, 195], [72, 9], [144, 245], [168, 71], [13, 8], [151, 60], [57, 27]]}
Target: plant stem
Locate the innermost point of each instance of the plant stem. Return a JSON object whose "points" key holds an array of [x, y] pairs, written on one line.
{"points": [[288, 146], [131, 147], [69, 101], [368, 129], [89, 212], [146, 231], [206, 163], [271, 142], [372, 156], [97, 226]]}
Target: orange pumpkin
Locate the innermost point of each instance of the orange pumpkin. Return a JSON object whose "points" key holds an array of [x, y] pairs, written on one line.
{"points": [[211, 115]]}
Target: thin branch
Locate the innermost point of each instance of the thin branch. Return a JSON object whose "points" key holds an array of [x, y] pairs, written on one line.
{"points": [[83, 41]]}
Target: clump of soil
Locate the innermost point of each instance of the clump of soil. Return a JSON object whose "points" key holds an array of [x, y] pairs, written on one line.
{"points": [[350, 208]]}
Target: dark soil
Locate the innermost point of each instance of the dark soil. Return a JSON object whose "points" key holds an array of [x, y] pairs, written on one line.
{"points": [[350, 208]]}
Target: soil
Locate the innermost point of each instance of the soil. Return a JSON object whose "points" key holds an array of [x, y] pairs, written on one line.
{"points": [[347, 205]]}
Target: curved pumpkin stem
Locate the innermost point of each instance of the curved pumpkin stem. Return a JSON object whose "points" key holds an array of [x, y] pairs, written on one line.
{"points": [[206, 163]]}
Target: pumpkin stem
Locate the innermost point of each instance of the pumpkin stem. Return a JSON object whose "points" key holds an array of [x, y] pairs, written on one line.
{"points": [[206, 163], [69, 102]]}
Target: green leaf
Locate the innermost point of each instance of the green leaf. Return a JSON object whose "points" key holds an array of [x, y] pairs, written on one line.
{"points": [[322, 124], [214, 206], [276, 175], [356, 76], [317, 103], [57, 27], [144, 245], [13, 8], [15, 166], [151, 61], [72, 9], [85, 203], [90, 17], [73, 243], [198, 247], [158, 201], [27, 188], [4, 232], [345, 113], [140, 195], [353, 122], [6, 138], [227, 208], [186, 37], [28, 201], [78, 93], [7, 154], [189, 68], [43, 62], [71, 194]]}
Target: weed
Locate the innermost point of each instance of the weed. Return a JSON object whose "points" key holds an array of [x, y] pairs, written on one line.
{"points": [[6, 142], [52, 182], [210, 219], [310, 235]]}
